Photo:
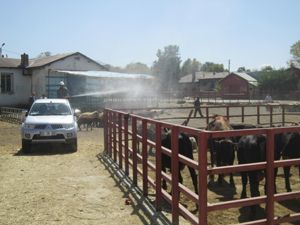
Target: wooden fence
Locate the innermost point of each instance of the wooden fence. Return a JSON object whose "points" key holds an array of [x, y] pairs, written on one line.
{"points": [[121, 138], [13, 115], [259, 114]]}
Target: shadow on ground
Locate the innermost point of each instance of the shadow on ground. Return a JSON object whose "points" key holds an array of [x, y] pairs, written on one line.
{"points": [[45, 149], [132, 192]]}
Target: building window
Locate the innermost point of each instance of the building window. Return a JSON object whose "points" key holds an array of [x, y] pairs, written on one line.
{"points": [[6, 83]]}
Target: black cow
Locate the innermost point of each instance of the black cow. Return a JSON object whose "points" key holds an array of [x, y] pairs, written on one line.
{"points": [[225, 155], [184, 148], [251, 149], [290, 143]]}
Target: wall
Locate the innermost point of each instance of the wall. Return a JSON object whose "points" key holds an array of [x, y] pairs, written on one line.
{"points": [[21, 88], [235, 86], [195, 89], [74, 62]]}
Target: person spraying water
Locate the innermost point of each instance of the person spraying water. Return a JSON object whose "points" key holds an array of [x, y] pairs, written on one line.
{"points": [[62, 91]]}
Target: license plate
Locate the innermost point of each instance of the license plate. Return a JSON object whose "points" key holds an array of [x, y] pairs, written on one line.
{"points": [[46, 133]]}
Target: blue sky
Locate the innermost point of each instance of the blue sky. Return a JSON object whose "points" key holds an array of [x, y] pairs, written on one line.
{"points": [[250, 33]]}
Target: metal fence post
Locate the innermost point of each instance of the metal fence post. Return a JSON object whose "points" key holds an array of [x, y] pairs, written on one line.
{"points": [[114, 124], [158, 195], [144, 157], [271, 115], [283, 114], [258, 114], [175, 179], [120, 140], [227, 112], [134, 151], [110, 134], [243, 114], [105, 132], [202, 178], [207, 115], [270, 176], [126, 143]]}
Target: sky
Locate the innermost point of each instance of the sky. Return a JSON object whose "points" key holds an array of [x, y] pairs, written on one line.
{"points": [[249, 33]]}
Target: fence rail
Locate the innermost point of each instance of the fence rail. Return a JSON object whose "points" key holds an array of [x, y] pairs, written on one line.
{"points": [[259, 114], [13, 115], [123, 138]]}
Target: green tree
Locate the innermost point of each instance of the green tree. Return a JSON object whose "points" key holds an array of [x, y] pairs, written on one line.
{"points": [[186, 67], [114, 68], [267, 68], [277, 80], [241, 69], [167, 66], [190, 67], [137, 68], [212, 67], [295, 52]]}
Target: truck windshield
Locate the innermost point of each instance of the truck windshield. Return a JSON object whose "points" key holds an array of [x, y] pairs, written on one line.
{"points": [[46, 109]]}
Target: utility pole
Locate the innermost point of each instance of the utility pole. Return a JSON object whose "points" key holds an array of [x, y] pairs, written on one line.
{"points": [[229, 65], [1, 49]]}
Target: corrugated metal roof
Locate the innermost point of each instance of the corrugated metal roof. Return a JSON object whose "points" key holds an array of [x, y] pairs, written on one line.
{"points": [[106, 74], [203, 76], [247, 77]]}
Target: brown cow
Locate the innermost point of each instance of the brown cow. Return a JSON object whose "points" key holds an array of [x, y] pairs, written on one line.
{"points": [[222, 150], [87, 118]]}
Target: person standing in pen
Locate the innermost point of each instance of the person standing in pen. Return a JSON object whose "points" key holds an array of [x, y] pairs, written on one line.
{"points": [[62, 91], [31, 100], [197, 107]]}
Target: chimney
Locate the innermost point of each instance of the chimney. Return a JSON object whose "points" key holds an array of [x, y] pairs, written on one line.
{"points": [[24, 60], [193, 76]]}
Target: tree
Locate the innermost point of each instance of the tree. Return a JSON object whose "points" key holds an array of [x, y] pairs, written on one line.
{"points": [[212, 67], [277, 80], [267, 68], [241, 69], [186, 67], [137, 68], [295, 51], [190, 67], [167, 66], [44, 54], [116, 69]]}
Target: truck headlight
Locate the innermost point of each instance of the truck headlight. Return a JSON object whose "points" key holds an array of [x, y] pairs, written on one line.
{"points": [[68, 126]]}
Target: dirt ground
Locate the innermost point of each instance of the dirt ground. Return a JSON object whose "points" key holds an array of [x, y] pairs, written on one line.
{"points": [[52, 186]]}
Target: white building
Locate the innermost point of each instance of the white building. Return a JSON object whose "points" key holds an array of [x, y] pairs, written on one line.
{"points": [[81, 75], [20, 77]]}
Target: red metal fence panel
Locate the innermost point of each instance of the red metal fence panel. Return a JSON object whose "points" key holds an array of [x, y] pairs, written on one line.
{"points": [[122, 138]]}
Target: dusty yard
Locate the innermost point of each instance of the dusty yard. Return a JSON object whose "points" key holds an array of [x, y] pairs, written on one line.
{"points": [[51, 186]]}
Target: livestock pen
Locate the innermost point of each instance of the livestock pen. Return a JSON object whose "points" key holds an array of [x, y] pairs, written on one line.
{"points": [[121, 140], [258, 114]]}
